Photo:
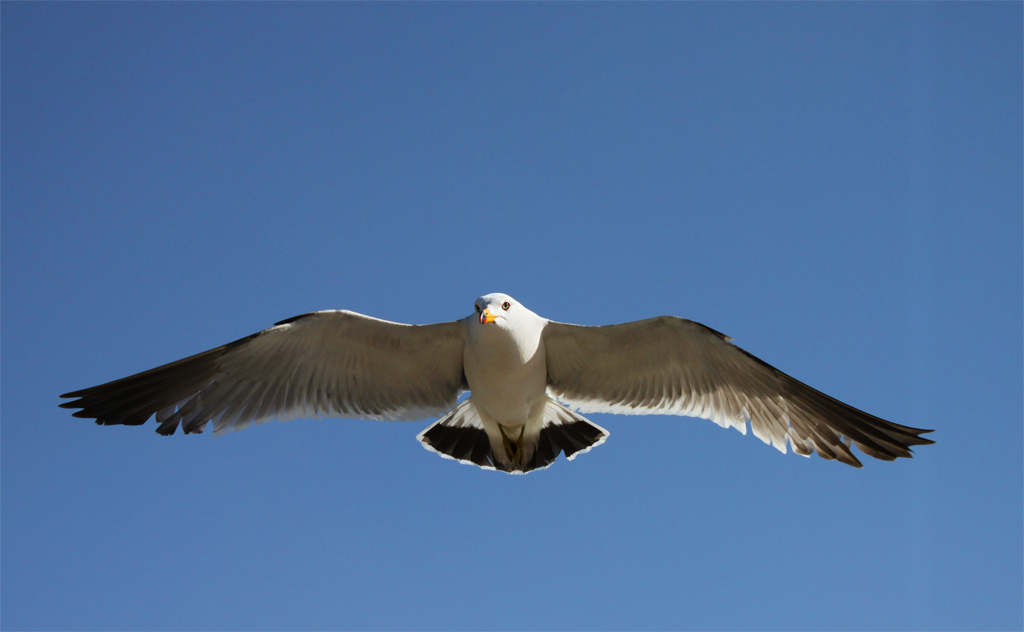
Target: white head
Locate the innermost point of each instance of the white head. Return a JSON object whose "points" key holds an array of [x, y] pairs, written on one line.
{"points": [[503, 311], [499, 317]]}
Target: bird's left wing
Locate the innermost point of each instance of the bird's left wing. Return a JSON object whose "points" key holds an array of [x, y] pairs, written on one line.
{"points": [[668, 365], [329, 363]]}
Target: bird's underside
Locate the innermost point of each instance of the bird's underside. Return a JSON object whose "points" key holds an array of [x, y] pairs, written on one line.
{"points": [[343, 364]]}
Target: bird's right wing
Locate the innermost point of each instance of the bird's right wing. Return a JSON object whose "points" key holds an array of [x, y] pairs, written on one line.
{"points": [[329, 363], [671, 366]]}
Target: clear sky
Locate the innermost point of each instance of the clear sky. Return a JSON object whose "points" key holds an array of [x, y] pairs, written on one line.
{"points": [[837, 186]]}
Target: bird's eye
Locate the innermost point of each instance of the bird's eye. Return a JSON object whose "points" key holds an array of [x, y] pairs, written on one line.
{"points": [[506, 305], [477, 308]]}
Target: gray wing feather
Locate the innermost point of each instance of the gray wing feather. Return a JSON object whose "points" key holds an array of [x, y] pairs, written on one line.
{"points": [[324, 364], [669, 365]]}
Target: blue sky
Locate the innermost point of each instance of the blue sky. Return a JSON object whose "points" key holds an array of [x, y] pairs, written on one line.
{"points": [[837, 186]]}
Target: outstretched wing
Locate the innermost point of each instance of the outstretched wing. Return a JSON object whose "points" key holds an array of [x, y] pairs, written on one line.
{"points": [[668, 365], [329, 363]]}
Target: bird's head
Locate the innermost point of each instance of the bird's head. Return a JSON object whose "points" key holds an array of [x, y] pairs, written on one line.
{"points": [[504, 312], [501, 317], [497, 309]]}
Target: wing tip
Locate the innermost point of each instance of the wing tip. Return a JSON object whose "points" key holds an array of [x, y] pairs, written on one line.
{"points": [[919, 440]]}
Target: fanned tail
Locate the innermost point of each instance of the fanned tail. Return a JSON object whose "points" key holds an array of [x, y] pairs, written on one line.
{"points": [[460, 435], [464, 436]]}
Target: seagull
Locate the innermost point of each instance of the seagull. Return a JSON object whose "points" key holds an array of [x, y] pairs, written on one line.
{"points": [[529, 380]]}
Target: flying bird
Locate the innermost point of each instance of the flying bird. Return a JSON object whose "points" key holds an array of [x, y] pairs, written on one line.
{"points": [[529, 381]]}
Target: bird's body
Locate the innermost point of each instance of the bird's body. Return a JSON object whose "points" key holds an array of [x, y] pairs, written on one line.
{"points": [[506, 372], [520, 370]]}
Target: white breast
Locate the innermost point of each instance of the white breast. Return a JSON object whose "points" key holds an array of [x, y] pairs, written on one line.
{"points": [[506, 371]]}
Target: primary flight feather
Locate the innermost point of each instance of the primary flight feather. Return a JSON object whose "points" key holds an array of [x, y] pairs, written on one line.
{"points": [[529, 380]]}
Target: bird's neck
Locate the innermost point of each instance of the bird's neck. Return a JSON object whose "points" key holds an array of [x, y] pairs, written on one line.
{"points": [[502, 345]]}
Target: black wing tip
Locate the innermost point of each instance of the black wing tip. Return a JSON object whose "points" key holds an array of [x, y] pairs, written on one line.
{"points": [[845, 455], [166, 430], [923, 440], [902, 450], [910, 437]]}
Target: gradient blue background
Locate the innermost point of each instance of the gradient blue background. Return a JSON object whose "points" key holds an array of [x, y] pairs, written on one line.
{"points": [[836, 186]]}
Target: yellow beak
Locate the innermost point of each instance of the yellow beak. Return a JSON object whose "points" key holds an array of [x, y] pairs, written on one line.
{"points": [[487, 317]]}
